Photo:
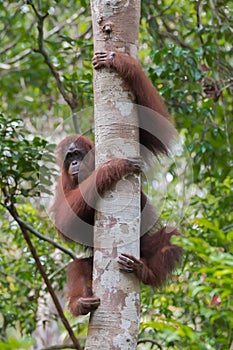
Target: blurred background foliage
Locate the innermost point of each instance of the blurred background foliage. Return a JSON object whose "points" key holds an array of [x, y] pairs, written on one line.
{"points": [[186, 49]]}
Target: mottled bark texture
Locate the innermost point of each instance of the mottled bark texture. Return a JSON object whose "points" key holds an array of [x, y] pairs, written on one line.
{"points": [[114, 325]]}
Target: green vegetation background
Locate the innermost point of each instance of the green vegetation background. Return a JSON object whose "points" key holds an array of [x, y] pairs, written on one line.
{"points": [[186, 49]]}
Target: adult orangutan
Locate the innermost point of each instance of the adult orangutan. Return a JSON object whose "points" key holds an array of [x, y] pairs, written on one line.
{"points": [[80, 185]]}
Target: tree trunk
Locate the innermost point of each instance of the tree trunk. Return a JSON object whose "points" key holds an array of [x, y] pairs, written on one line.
{"points": [[114, 325]]}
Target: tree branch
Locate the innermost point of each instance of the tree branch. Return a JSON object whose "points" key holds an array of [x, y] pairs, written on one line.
{"points": [[13, 211], [169, 34], [72, 100], [45, 238], [10, 63], [199, 25], [69, 21]]}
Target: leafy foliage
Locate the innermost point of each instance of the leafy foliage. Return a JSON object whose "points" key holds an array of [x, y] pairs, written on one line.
{"points": [[20, 155], [20, 159], [192, 69], [186, 49]]}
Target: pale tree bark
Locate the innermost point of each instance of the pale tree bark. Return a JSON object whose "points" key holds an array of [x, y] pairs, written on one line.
{"points": [[114, 325]]}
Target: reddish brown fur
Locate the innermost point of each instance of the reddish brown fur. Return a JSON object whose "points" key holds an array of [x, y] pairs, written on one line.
{"points": [[151, 124], [158, 255], [146, 95], [79, 277], [79, 197]]}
